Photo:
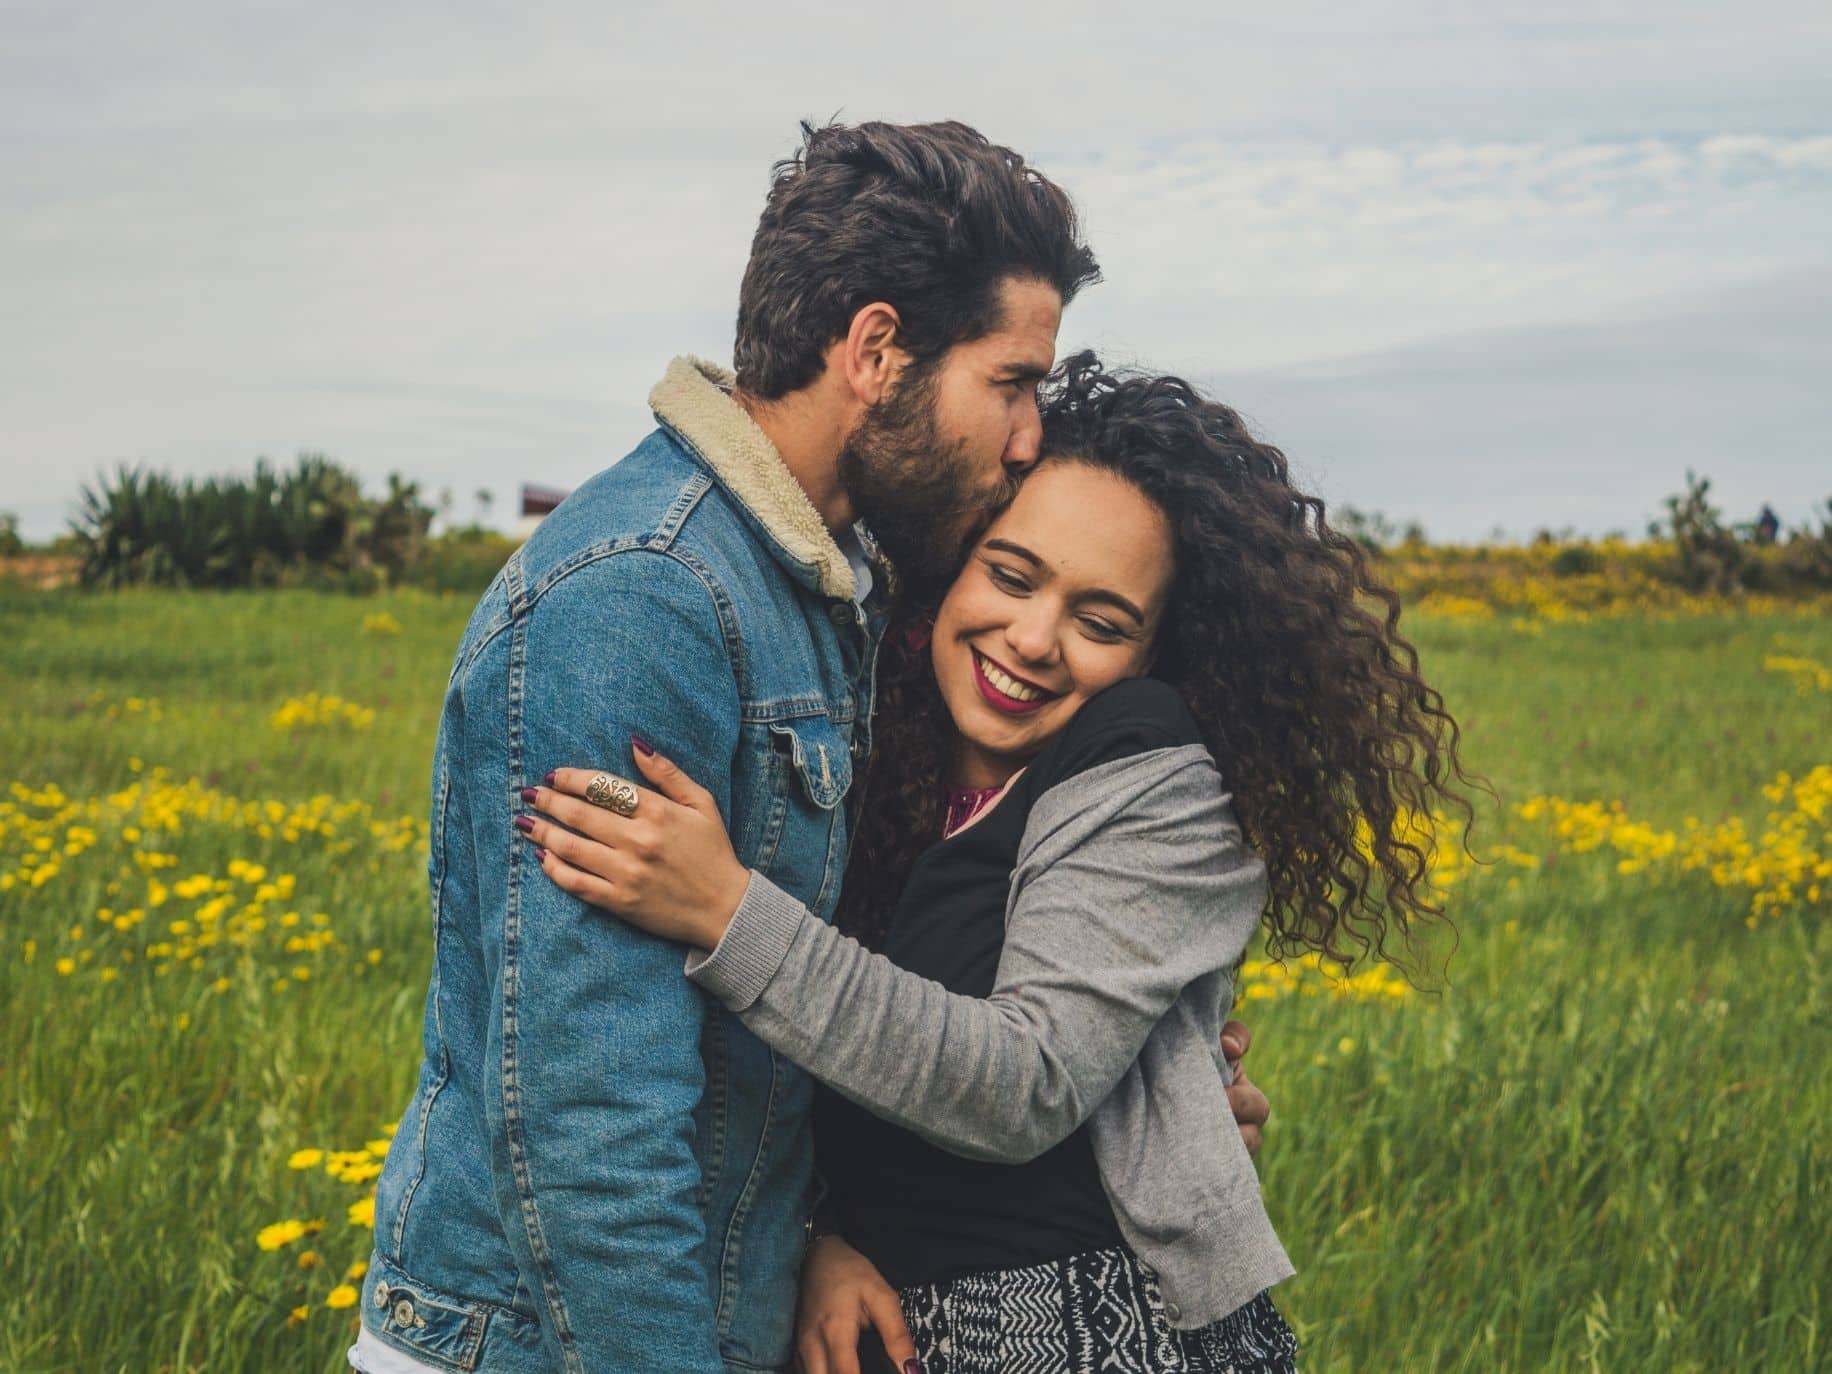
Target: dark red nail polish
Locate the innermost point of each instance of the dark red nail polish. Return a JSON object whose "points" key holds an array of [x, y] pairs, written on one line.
{"points": [[912, 1366], [643, 746], [528, 795], [549, 778], [540, 855], [524, 824]]}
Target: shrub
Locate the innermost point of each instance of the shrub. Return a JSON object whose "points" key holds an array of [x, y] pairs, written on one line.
{"points": [[311, 525]]}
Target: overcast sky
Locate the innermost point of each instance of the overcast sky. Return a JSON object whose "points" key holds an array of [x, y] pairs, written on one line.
{"points": [[1511, 265]]}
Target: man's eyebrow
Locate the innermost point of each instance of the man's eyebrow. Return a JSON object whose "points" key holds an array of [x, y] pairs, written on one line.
{"points": [[1024, 372]]}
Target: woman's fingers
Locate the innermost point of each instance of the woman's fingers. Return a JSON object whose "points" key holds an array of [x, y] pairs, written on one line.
{"points": [[564, 800], [887, 1315], [673, 783], [579, 851], [587, 887], [840, 1339]]}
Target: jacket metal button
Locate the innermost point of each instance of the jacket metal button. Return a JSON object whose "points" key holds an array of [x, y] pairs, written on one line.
{"points": [[381, 1295], [1174, 1312], [840, 613], [403, 1313]]}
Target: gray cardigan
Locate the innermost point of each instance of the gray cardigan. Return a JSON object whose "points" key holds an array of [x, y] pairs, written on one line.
{"points": [[1133, 898]]}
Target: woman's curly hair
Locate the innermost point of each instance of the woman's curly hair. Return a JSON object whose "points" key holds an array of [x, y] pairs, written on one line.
{"points": [[1286, 649]]}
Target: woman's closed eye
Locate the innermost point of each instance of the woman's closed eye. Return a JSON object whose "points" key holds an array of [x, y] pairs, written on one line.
{"points": [[1007, 580]]}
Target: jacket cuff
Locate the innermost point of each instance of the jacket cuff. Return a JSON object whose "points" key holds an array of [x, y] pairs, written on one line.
{"points": [[753, 947]]}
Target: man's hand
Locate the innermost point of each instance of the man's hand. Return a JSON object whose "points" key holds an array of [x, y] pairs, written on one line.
{"points": [[1248, 1103], [842, 1295]]}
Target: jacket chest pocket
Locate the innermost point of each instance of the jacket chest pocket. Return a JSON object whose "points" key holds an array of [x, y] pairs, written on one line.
{"points": [[802, 844]]}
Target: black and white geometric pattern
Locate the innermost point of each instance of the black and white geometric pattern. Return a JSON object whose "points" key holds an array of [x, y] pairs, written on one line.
{"points": [[1097, 1313]]}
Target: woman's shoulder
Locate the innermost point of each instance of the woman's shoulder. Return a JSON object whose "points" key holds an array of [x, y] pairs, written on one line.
{"points": [[1132, 717]]}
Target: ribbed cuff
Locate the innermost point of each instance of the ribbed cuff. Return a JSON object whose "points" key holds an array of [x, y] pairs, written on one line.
{"points": [[753, 947]]}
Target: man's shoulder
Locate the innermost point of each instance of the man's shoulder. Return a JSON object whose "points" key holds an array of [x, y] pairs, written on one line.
{"points": [[657, 499]]}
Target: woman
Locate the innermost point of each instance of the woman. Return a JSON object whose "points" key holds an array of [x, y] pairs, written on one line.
{"points": [[1018, 1012]]}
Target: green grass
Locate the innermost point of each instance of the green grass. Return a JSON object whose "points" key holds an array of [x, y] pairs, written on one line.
{"points": [[1603, 1146]]}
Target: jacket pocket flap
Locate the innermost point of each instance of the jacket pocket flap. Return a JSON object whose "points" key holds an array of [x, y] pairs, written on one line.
{"points": [[821, 755]]}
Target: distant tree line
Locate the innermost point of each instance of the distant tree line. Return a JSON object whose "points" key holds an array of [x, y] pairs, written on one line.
{"points": [[312, 525], [1708, 554]]}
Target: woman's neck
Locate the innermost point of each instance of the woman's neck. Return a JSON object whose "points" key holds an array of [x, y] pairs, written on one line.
{"points": [[973, 767]]}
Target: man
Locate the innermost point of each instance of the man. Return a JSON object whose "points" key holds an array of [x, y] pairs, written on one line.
{"points": [[598, 1171]]}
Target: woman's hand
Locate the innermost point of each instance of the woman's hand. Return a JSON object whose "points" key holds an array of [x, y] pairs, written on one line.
{"points": [[668, 867], [843, 1294]]}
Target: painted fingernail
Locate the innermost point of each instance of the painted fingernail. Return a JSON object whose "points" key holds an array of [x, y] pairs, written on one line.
{"points": [[529, 794], [549, 778], [540, 855], [912, 1366], [524, 824], [643, 746]]}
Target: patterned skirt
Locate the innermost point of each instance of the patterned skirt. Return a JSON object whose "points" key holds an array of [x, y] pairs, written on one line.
{"points": [[1099, 1311]]}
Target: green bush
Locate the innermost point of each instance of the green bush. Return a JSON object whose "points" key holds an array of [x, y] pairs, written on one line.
{"points": [[460, 560], [309, 526]]}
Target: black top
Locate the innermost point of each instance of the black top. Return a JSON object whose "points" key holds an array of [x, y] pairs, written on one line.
{"points": [[923, 1215]]}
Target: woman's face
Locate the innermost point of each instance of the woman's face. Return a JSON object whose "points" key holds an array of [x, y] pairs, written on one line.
{"points": [[1060, 598]]}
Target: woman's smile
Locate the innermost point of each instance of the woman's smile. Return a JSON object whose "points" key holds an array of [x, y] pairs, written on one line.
{"points": [[1006, 691]]}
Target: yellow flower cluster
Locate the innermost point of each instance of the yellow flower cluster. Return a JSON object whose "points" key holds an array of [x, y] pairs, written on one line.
{"points": [[154, 911], [313, 711], [1787, 867], [1548, 582], [138, 708], [358, 1168], [1806, 674], [381, 623], [1311, 975]]}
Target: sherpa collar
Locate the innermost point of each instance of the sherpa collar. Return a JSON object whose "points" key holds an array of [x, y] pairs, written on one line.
{"points": [[694, 399]]}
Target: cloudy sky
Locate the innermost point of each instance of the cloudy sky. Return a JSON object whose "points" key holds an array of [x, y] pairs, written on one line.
{"points": [[1510, 265]]}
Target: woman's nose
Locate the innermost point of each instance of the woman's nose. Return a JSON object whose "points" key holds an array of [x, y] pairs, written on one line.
{"points": [[1032, 639]]}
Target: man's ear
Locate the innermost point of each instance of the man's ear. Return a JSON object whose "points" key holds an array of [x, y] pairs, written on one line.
{"points": [[870, 355]]}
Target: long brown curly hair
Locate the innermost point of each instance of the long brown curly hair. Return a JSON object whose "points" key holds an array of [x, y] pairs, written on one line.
{"points": [[1285, 647]]}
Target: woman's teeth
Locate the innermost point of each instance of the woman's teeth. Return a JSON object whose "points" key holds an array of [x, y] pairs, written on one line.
{"points": [[1006, 683]]}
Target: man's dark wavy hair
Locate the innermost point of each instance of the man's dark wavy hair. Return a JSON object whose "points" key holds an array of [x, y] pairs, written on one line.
{"points": [[929, 218], [1286, 648]]}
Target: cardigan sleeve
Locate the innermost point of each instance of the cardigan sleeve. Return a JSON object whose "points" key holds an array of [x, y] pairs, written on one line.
{"points": [[1132, 882]]}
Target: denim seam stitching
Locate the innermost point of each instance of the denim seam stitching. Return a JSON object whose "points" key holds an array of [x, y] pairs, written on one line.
{"points": [[732, 1245], [520, 606], [399, 1230]]}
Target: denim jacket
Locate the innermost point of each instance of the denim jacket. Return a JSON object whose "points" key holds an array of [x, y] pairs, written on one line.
{"points": [[600, 1170]]}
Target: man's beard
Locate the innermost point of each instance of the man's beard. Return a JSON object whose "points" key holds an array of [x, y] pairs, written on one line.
{"points": [[915, 490]]}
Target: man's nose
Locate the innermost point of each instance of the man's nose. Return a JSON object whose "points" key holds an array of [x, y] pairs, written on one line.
{"points": [[1026, 443]]}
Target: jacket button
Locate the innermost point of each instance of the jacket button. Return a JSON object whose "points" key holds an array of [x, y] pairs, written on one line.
{"points": [[403, 1313], [381, 1295], [840, 613], [1174, 1312]]}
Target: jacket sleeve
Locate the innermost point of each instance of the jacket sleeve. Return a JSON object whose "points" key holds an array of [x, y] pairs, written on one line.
{"points": [[601, 1062], [1132, 882]]}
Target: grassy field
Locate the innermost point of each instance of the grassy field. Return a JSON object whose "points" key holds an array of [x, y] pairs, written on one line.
{"points": [[1604, 1145]]}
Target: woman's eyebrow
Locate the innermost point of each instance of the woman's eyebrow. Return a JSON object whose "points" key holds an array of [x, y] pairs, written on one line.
{"points": [[1115, 600], [1018, 550], [1100, 594]]}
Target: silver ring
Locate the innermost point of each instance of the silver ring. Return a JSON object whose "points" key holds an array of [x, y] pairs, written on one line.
{"points": [[612, 793]]}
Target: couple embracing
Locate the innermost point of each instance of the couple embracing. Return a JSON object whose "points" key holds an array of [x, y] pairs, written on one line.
{"points": [[849, 811]]}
